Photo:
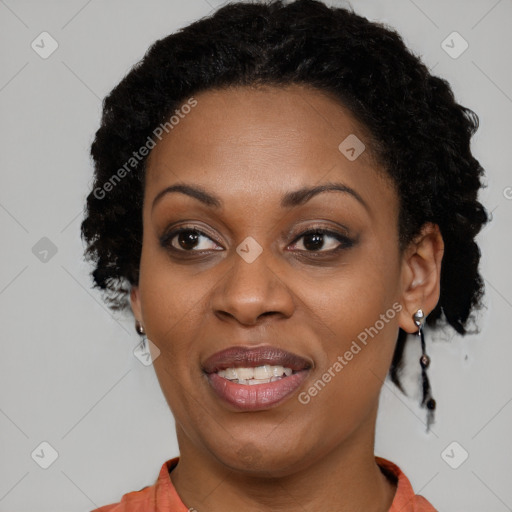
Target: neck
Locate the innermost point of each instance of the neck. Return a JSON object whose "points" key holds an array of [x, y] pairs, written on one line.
{"points": [[347, 478]]}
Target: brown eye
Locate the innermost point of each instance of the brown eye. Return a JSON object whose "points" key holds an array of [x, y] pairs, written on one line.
{"points": [[321, 240], [314, 241], [189, 240]]}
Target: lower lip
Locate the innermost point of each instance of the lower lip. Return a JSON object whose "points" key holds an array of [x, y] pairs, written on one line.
{"points": [[256, 397]]}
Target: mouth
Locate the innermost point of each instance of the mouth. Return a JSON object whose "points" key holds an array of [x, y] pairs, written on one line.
{"points": [[253, 379]]}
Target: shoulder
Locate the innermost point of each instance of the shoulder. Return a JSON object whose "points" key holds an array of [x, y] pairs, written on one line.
{"points": [[152, 498], [405, 498], [162, 497]]}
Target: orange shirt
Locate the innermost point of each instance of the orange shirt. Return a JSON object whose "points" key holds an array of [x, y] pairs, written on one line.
{"points": [[162, 496]]}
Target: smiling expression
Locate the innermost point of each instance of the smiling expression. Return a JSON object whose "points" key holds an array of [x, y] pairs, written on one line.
{"points": [[264, 163]]}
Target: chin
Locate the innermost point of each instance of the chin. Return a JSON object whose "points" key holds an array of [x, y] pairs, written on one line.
{"points": [[263, 459]]}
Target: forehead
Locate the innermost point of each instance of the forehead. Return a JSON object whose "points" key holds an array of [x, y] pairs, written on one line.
{"points": [[264, 139]]}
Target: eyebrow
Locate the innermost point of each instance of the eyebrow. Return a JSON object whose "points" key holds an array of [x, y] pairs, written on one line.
{"points": [[288, 200]]}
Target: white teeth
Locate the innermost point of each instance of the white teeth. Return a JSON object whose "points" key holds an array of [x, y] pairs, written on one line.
{"points": [[257, 381], [230, 373], [245, 373], [258, 375], [277, 371], [263, 372]]}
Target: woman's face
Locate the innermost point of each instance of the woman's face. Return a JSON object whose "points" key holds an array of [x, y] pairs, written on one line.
{"points": [[249, 277]]}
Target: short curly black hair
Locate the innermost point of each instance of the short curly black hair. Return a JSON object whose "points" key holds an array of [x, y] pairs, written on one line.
{"points": [[420, 133]]}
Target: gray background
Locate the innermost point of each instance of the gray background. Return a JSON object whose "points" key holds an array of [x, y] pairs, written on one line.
{"points": [[68, 375]]}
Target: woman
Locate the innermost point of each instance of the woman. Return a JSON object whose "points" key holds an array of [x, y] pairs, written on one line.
{"points": [[282, 194]]}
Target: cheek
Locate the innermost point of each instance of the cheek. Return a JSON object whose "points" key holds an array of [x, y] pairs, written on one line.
{"points": [[354, 296], [359, 324], [358, 310], [354, 363], [172, 299], [173, 309]]}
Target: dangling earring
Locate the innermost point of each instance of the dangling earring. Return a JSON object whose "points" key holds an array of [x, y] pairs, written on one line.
{"points": [[140, 330], [427, 401]]}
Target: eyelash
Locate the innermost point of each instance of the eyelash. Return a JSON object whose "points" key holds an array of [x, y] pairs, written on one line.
{"points": [[345, 242]]}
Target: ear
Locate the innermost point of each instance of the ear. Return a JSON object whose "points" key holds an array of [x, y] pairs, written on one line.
{"points": [[135, 303], [421, 275]]}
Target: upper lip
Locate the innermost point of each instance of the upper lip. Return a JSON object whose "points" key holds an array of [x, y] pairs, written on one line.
{"points": [[243, 356]]}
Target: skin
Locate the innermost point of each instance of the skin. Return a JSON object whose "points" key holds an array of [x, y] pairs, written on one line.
{"points": [[248, 147]]}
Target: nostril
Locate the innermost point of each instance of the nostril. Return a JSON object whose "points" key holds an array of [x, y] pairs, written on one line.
{"points": [[270, 313]]}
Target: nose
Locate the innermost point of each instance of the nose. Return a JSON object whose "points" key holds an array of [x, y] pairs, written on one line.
{"points": [[252, 291]]}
